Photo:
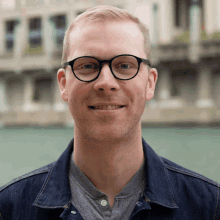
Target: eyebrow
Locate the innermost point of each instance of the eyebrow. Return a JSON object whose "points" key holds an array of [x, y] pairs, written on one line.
{"points": [[99, 57]]}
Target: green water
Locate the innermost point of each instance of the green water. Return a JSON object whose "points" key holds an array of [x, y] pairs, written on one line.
{"points": [[25, 149]]}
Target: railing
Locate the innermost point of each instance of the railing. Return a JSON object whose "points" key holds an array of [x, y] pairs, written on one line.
{"points": [[184, 37], [181, 51], [164, 53]]}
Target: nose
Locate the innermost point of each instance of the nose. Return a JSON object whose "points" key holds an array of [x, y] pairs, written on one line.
{"points": [[106, 81]]}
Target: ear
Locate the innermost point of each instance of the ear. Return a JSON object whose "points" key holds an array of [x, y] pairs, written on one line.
{"points": [[152, 79], [61, 77]]}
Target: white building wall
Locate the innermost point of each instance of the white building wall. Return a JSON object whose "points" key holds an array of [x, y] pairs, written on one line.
{"points": [[48, 38], [218, 15], [204, 91], [2, 37], [143, 12], [20, 41], [28, 104], [166, 21], [210, 16], [3, 100], [7, 5]]}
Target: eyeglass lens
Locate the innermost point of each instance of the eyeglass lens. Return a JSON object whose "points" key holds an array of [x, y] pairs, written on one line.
{"points": [[87, 68]]}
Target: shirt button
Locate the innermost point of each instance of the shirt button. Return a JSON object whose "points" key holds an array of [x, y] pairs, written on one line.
{"points": [[103, 202]]}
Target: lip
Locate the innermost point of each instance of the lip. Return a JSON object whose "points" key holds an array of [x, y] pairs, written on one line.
{"points": [[106, 104], [108, 112], [94, 107]]}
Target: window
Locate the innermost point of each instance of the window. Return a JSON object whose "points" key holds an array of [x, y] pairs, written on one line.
{"points": [[43, 90], [10, 27], [35, 38], [182, 13], [175, 89], [177, 13], [60, 24]]}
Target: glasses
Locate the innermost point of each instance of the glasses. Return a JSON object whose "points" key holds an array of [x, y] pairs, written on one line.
{"points": [[123, 67]]}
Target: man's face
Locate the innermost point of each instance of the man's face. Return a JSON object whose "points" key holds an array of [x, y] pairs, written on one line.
{"points": [[104, 41]]}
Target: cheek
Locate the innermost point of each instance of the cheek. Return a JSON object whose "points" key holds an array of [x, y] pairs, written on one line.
{"points": [[73, 96], [137, 97], [78, 95], [139, 89]]}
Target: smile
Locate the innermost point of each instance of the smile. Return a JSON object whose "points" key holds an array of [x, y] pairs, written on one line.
{"points": [[107, 107]]}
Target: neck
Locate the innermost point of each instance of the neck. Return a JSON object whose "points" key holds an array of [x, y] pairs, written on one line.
{"points": [[109, 165]]}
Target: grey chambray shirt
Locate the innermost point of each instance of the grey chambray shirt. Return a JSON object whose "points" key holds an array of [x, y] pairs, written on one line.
{"points": [[92, 204]]}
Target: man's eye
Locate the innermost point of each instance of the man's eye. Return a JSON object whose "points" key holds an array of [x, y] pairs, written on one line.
{"points": [[124, 66], [88, 66]]}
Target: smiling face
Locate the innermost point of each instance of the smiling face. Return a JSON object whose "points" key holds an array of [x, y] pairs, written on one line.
{"points": [[107, 108]]}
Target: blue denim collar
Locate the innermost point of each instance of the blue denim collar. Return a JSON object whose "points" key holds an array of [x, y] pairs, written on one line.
{"points": [[158, 189], [55, 192]]}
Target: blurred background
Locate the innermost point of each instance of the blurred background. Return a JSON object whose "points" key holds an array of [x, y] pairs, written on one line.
{"points": [[185, 39]]}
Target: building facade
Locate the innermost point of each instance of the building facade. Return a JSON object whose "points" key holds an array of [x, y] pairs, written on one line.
{"points": [[185, 37]]}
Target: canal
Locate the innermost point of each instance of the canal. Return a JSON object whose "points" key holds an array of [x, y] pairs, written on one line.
{"points": [[25, 149]]}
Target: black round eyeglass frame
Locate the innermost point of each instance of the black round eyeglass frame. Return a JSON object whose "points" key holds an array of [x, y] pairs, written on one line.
{"points": [[140, 60]]}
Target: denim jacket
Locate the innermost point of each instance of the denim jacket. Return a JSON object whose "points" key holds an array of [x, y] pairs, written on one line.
{"points": [[172, 192]]}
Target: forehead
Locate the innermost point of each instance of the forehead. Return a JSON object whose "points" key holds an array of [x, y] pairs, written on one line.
{"points": [[106, 39]]}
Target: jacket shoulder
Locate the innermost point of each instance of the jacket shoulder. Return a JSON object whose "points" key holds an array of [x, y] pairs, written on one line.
{"points": [[173, 167], [41, 170], [17, 196]]}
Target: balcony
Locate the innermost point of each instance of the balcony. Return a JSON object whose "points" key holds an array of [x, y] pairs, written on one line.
{"points": [[35, 57], [178, 51]]}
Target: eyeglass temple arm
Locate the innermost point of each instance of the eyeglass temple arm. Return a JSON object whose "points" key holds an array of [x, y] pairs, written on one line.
{"points": [[147, 62], [65, 64]]}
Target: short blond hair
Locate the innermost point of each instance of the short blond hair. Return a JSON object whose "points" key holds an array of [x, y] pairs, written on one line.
{"points": [[105, 13]]}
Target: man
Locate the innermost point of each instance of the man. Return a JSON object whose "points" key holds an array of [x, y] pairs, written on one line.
{"points": [[108, 171]]}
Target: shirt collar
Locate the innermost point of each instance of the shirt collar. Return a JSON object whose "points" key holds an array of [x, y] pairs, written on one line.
{"points": [[56, 192]]}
